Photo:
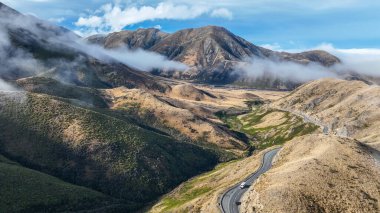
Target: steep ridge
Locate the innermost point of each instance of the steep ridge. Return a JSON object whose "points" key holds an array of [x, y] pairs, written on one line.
{"points": [[211, 51]]}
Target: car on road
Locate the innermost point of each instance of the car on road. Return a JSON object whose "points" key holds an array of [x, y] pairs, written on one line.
{"points": [[243, 185], [325, 130]]}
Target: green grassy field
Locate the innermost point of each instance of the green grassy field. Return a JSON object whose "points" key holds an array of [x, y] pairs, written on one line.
{"points": [[270, 135]]}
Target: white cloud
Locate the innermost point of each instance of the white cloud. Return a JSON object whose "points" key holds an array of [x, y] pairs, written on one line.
{"points": [[285, 70], [360, 60], [92, 21], [139, 59], [222, 13], [274, 46], [113, 17], [4, 86], [159, 27], [144, 60], [56, 20]]}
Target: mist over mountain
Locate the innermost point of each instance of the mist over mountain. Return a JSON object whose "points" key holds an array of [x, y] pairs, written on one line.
{"points": [[213, 54], [29, 47], [57, 122], [134, 120]]}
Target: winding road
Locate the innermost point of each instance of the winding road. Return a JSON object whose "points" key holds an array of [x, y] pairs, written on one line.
{"points": [[230, 198]]}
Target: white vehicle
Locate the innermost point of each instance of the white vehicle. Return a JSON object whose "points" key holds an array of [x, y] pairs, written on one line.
{"points": [[243, 185]]}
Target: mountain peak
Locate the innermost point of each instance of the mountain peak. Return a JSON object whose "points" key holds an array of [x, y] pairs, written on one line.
{"points": [[212, 51], [212, 28], [150, 29]]}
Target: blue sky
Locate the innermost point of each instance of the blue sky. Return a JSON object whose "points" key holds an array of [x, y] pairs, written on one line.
{"points": [[277, 24]]}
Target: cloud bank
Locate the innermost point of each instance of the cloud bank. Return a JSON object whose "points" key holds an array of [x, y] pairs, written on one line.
{"points": [[138, 59], [114, 17], [17, 62], [362, 62], [284, 70]]}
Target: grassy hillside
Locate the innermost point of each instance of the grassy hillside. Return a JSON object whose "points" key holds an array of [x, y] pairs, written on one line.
{"points": [[318, 173], [267, 127], [114, 156], [89, 96], [348, 108], [27, 190]]}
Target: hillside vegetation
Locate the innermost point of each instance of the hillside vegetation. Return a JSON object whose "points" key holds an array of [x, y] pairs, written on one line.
{"points": [[348, 108], [267, 127], [97, 150], [168, 116], [27, 190]]}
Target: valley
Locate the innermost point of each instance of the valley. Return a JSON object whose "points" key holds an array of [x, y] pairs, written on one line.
{"points": [[151, 121]]}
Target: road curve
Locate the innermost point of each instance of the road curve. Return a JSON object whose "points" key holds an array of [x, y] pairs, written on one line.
{"points": [[234, 194]]}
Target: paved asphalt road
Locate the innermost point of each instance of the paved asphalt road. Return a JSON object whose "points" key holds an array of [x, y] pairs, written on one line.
{"points": [[233, 195]]}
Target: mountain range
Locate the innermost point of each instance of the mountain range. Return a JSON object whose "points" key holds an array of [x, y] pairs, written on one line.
{"points": [[83, 131], [211, 52]]}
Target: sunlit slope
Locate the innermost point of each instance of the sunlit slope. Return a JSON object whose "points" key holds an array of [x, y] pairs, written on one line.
{"points": [[348, 108], [318, 173]]}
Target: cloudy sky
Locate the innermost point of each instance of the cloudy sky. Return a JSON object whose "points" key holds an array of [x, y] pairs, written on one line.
{"points": [[276, 24]]}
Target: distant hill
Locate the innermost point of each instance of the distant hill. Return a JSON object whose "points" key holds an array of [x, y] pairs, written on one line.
{"points": [[348, 108], [211, 52]]}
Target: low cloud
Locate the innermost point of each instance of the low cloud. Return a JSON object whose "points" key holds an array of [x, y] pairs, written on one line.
{"points": [[17, 62], [284, 70], [4, 86], [14, 61], [144, 60], [138, 59], [222, 13], [114, 17], [363, 62]]}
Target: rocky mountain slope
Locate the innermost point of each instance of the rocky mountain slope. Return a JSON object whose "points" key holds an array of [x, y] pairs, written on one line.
{"points": [[318, 173], [211, 52], [347, 108]]}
